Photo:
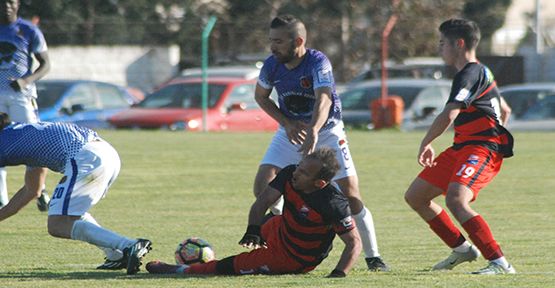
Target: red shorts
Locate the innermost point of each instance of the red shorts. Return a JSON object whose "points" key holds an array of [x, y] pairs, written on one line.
{"points": [[272, 260], [472, 166]]}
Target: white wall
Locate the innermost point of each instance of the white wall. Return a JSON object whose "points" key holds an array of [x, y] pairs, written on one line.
{"points": [[134, 66]]}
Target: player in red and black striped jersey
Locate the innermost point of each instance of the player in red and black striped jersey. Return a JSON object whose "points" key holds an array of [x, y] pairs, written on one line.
{"points": [[299, 239], [480, 144]]}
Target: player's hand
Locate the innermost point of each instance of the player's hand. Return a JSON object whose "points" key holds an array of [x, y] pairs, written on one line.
{"points": [[252, 238], [309, 143], [18, 84], [426, 156], [296, 131], [337, 274]]}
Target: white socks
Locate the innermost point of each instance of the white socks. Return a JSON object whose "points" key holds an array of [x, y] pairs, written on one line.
{"points": [[463, 247], [111, 254], [365, 225], [501, 261], [91, 233], [3, 187]]}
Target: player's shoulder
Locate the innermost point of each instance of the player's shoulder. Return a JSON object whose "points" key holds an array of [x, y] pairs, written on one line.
{"points": [[27, 27], [26, 24], [269, 62], [288, 169], [316, 55]]}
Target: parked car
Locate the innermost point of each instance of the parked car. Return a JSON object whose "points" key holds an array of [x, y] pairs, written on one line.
{"points": [[178, 106], [416, 68], [539, 117], [239, 71], [521, 97], [86, 103], [245, 72], [423, 98]]}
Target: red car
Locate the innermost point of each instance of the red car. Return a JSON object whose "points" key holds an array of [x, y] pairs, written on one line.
{"points": [[178, 106]]}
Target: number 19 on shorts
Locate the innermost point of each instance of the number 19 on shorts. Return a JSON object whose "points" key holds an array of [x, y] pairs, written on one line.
{"points": [[466, 171]]}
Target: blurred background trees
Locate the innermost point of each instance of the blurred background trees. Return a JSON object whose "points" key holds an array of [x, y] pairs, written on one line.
{"points": [[349, 31]]}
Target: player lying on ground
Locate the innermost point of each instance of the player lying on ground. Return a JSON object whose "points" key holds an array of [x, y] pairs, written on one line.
{"points": [[90, 165], [298, 240]]}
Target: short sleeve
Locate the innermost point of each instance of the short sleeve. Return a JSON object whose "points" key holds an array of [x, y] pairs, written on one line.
{"points": [[38, 43], [342, 219], [464, 87], [322, 73], [264, 78]]}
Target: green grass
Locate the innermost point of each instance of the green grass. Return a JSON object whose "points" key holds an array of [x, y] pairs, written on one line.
{"points": [[175, 185]]}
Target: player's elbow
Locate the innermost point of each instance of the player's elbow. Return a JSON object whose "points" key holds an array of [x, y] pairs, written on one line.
{"points": [[355, 246]]}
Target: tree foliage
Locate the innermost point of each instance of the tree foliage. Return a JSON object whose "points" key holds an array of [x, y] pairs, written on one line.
{"points": [[349, 31]]}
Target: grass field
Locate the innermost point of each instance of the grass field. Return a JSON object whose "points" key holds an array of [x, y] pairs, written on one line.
{"points": [[176, 185]]}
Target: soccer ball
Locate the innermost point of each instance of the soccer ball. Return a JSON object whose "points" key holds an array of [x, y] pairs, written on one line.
{"points": [[194, 250]]}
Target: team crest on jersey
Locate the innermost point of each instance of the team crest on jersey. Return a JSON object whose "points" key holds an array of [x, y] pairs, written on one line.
{"points": [[304, 211], [305, 82], [347, 222], [473, 159]]}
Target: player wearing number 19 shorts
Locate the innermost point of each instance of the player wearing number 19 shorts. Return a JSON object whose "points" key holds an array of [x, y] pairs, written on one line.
{"points": [[461, 171]]}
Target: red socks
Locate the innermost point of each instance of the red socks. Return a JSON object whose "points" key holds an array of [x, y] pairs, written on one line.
{"points": [[203, 268], [480, 234], [446, 230]]}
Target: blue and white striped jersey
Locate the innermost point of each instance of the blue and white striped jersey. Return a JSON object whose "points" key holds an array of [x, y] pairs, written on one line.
{"points": [[42, 144], [18, 42]]}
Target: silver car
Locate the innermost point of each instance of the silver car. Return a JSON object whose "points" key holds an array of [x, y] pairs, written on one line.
{"points": [[423, 99]]}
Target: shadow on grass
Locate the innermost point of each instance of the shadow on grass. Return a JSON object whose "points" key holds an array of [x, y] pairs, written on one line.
{"points": [[41, 274]]}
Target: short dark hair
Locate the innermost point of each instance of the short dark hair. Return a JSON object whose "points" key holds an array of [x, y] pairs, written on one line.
{"points": [[294, 26], [4, 120], [468, 30], [327, 157]]}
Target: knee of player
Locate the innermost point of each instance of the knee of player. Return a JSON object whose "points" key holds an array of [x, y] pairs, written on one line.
{"points": [[53, 230], [59, 227], [413, 200], [455, 205]]}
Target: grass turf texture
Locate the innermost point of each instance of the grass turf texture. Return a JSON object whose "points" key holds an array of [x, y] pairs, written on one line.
{"points": [[176, 185]]}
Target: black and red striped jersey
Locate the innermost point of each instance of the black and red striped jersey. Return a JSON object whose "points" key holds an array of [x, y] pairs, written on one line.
{"points": [[479, 123], [311, 220]]}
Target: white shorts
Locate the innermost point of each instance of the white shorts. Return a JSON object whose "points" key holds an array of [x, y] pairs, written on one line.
{"points": [[282, 153], [86, 180], [19, 107]]}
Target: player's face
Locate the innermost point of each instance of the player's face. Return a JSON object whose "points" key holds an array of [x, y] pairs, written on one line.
{"points": [[282, 45], [8, 10], [305, 176], [447, 50]]}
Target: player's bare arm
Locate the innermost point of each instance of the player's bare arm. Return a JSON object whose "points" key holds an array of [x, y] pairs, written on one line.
{"points": [[319, 117], [426, 154], [295, 129], [42, 70], [353, 247], [34, 180], [505, 111], [252, 238]]}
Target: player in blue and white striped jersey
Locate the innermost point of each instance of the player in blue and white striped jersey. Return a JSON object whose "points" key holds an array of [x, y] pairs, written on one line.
{"points": [[89, 164], [20, 40]]}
